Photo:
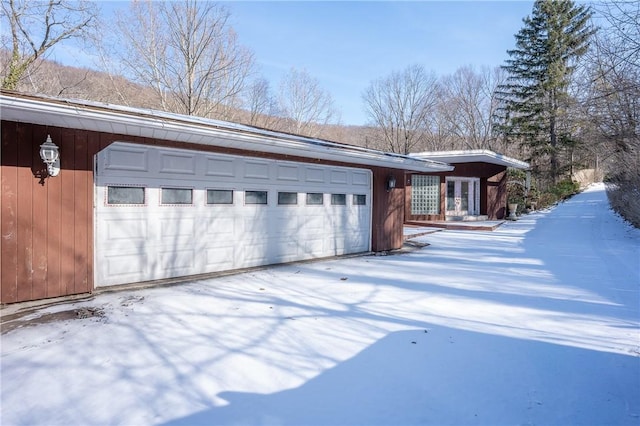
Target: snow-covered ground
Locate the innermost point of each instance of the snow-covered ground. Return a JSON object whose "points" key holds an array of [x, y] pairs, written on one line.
{"points": [[537, 322]]}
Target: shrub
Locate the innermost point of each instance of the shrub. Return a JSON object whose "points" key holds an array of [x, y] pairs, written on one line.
{"points": [[547, 199], [558, 192], [565, 189], [625, 200]]}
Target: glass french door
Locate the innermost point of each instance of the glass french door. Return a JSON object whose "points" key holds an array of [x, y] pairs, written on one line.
{"points": [[463, 196]]}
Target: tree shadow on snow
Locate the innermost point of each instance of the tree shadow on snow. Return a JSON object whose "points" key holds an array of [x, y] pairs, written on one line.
{"points": [[424, 377]]}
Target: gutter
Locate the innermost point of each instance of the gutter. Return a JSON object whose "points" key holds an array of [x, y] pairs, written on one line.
{"points": [[483, 155]]}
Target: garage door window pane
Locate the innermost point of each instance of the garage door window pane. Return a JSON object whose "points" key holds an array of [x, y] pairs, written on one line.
{"points": [[287, 198], [255, 197], [359, 199], [339, 199], [177, 196], [315, 198], [219, 196], [125, 195]]}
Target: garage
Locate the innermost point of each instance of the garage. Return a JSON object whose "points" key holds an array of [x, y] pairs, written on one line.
{"points": [[141, 196], [168, 212]]}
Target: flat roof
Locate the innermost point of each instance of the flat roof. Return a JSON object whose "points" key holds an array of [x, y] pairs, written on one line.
{"points": [[128, 121], [472, 156]]}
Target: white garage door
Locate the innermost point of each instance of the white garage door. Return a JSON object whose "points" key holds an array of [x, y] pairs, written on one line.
{"points": [[163, 213]]}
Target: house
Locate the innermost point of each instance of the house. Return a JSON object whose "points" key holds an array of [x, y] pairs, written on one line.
{"points": [[95, 196], [476, 189], [131, 195]]}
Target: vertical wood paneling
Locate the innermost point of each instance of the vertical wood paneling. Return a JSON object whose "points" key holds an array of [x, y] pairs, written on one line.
{"points": [[67, 241], [54, 220], [8, 215], [376, 214], [40, 222], [395, 231], [497, 196], [104, 141], [443, 198], [83, 185], [388, 211], [25, 212], [483, 198]]}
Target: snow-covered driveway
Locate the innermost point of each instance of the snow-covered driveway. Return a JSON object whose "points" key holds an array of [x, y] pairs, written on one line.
{"points": [[537, 322]]}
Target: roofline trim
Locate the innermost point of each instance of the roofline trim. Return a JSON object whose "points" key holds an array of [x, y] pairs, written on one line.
{"points": [[92, 116], [491, 156]]}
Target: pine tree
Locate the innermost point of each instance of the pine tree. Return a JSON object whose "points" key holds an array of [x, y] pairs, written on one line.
{"points": [[539, 69]]}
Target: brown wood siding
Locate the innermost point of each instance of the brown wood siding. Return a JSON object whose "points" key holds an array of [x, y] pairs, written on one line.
{"points": [[388, 210], [481, 170], [497, 196], [9, 214], [47, 222]]}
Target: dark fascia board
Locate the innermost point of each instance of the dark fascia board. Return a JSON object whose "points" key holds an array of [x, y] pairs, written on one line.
{"points": [[473, 156]]}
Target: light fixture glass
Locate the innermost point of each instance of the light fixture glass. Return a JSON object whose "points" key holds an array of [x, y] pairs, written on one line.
{"points": [[391, 182], [50, 155]]}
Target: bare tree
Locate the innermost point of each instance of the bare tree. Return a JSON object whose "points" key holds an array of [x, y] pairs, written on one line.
{"points": [[622, 30], [611, 104], [400, 105], [260, 104], [188, 53], [35, 27], [304, 105], [442, 125], [612, 101], [469, 104]]}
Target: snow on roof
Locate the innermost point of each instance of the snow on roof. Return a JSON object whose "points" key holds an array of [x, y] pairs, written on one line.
{"points": [[129, 121], [472, 156]]}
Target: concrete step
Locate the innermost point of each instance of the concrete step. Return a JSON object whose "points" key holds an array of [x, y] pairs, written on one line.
{"points": [[470, 218]]}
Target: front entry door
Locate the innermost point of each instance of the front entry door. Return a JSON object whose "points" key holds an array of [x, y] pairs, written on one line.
{"points": [[463, 196]]}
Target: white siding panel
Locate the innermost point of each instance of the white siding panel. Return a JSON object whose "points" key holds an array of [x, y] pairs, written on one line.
{"points": [[314, 223], [256, 170], [220, 226], [220, 257], [178, 226], [360, 178], [177, 261], [338, 176], [130, 264], [127, 158], [177, 163], [314, 174], [220, 167], [129, 229], [311, 246], [288, 172]]}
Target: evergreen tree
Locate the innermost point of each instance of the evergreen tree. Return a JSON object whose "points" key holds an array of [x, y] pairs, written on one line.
{"points": [[539, 70]]}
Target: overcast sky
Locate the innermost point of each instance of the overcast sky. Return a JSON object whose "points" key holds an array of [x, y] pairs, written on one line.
{"points": [[347, 45]]}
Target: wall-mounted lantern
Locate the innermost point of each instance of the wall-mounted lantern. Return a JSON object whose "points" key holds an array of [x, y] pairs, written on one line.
{"points": [[50, 155], [391, 183]]}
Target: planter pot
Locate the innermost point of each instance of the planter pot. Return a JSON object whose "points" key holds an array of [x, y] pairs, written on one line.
{"points": [[513, 207]]}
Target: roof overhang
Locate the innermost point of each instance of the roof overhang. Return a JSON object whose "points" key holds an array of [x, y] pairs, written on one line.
{"points": [[472, 156], [93, 116]]}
